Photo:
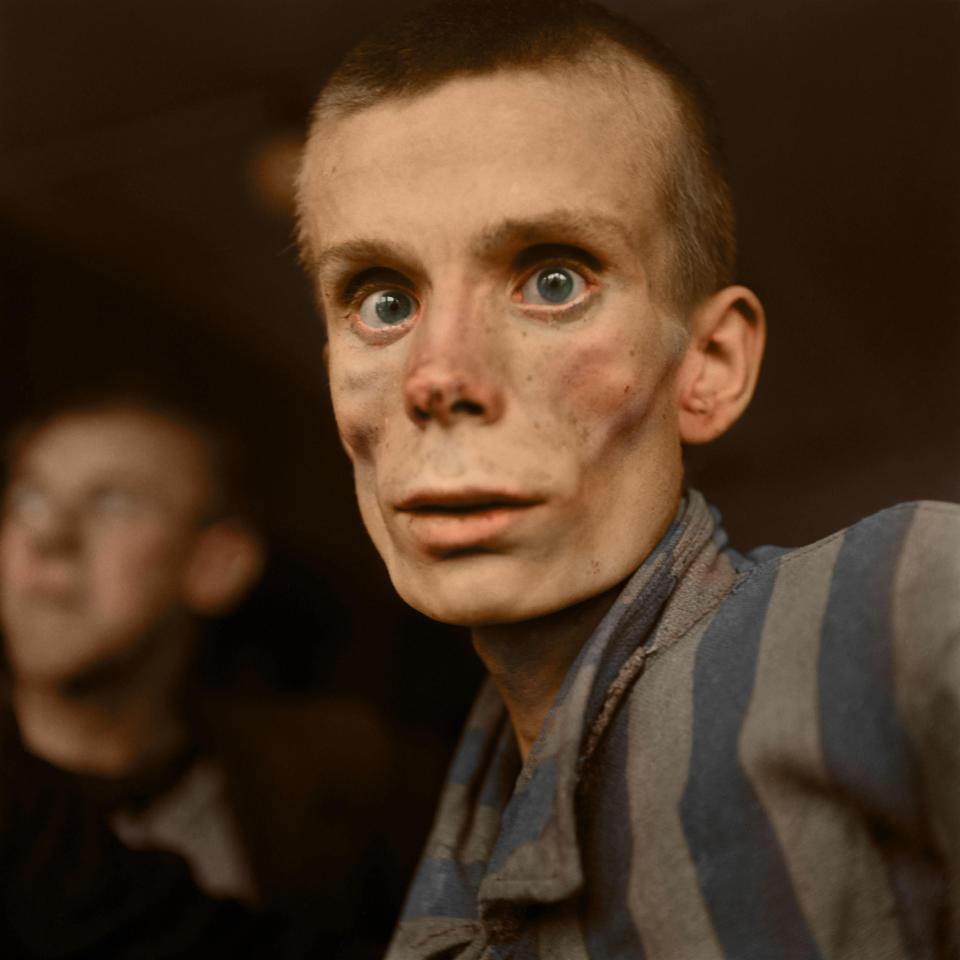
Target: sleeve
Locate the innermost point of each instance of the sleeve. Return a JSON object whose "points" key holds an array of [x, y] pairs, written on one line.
{"points": [[927, 666]]}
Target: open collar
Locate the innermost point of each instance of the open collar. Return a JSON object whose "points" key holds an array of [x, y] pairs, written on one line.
{"points": [[536, 857], [505, 835]]}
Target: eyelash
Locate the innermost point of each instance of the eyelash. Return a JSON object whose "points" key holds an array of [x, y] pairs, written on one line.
{"points": [[356, 290], [561, 263], [353, 297]]}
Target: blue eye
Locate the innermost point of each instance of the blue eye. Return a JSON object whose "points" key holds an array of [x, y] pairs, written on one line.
{"points": [[387, 308], [552, 286]]}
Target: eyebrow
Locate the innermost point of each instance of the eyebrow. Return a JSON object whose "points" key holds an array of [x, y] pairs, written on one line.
{"points": [[556, 226], [363, 252]]}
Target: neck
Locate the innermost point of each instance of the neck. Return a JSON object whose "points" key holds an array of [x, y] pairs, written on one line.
{"points": [[115, 725], [529, 660]]}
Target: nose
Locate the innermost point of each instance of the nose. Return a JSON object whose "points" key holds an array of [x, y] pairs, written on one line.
{"points": [[453, 372]]}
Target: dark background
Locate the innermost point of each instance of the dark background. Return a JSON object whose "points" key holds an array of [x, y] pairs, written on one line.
{"points": [[139, 140]]}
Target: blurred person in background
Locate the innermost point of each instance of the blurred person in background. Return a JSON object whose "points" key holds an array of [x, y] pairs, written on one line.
{"points": [[117, 533], [124, 531]]}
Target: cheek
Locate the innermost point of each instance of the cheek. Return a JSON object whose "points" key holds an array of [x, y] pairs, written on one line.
{"points": [[12, 554], [23, 570], [357, 406], [137, 575], [603, 391]]}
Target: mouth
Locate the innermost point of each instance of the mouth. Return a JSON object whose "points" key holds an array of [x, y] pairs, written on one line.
{"points": [[445, 523], [462, 503]]}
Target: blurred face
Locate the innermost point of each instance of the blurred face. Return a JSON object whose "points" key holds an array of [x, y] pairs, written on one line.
{"points": [[99, 520], [501, 374]]}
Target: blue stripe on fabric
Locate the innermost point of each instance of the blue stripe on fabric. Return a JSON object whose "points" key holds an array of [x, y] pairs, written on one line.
{"points": [[489, 762], [527, 814], [742, 872], [634, 628], [500, 779], [608, 853], [866, 749], [469, 755], [444, 888]]}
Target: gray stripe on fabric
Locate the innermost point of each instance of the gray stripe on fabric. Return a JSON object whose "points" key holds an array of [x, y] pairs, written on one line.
{"points": [[851, 913], [865, 747], [663, 889], [742, 872], [927, 660], [455, 816], [561, 935]]}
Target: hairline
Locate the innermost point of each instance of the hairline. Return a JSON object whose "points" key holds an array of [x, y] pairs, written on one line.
{"points": [[600, 56]]}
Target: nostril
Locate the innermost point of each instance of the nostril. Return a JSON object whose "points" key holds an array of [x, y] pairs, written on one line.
{"points": [[435, 395], [467, 406]]}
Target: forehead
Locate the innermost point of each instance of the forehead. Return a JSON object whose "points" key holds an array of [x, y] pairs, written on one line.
{"points": [[84, 447], [515, 144]]}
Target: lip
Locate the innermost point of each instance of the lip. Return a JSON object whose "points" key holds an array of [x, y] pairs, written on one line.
{"points": [[444, 522]]}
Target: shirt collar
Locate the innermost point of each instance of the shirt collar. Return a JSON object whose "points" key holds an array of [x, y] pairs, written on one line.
{"points": [[505, 834], [536, 856]]}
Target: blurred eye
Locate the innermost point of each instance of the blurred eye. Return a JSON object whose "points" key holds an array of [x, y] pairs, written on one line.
{"points": [[115, 502], [28, 504], [387, 308], [553, 286]]}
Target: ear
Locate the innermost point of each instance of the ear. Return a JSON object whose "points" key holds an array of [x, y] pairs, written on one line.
{"points": [[227, 559], [720, 366]]}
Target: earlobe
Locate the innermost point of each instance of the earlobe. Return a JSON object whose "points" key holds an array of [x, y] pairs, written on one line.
{"points": [[227, 559], [720, 366]]}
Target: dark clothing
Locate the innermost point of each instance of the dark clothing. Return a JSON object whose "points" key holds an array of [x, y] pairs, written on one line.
{"points": [[71, 889], [752, 757], [308, 803]]}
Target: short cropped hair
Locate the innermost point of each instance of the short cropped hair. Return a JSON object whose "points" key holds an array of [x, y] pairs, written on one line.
{"points": [[455, 38]]}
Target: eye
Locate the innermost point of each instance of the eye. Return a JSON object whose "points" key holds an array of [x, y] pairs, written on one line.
{"points": [[116, 502], [552, 286], [387, 308], [28, 504]]}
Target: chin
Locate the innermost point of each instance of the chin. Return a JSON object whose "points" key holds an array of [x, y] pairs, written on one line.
{"points": [[480, 590]]}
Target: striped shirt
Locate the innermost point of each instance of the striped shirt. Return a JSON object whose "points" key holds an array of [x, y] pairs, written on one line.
{"points": [[751, 757]]}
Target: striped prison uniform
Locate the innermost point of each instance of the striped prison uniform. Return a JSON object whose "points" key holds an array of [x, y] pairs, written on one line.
{"points": [[751, 757]]}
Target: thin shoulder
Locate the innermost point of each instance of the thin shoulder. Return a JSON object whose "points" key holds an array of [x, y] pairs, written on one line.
{"points": [[929, 518]]}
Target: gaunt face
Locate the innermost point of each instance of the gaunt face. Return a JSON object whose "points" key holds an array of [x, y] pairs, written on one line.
{"points": [[100, 517], [502, 376]]}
